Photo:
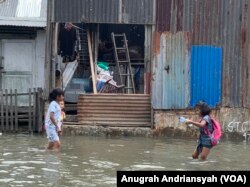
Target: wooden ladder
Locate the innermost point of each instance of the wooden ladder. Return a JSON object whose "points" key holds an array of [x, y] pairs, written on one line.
{"points": [[122, 58]]}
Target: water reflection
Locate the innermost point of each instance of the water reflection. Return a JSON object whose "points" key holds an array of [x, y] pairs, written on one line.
{"points": [[93, 161]]}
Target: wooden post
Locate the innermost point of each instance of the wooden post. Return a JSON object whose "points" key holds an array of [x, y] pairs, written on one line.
{"points": [[91, 63], [34, 110], [11, 111], [1, 110], [48, 52], [96, 38], [29, 110], [54, 52], [38, 104], [16, 113], [6, 111]]}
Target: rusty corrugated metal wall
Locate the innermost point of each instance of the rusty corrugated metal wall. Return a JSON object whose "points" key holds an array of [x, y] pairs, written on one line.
{"points": [[132, 110], [104, 11], [170, 89], [219, 23]]}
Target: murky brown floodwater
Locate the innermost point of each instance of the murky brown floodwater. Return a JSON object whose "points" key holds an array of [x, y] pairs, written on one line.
{"points": [[93, 161]]}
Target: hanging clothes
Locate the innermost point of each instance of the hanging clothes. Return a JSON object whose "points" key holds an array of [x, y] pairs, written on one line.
{"points": [[67, 41]]}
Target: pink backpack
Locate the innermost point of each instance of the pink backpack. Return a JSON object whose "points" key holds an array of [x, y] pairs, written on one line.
{"points": [[216, 134]]}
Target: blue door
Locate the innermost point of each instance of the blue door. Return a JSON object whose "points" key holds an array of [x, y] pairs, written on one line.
{"points": [[206, 75]]}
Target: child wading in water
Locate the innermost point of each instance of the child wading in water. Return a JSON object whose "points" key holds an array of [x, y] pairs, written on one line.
{"points": [[62, 117], [204, 141], [53, 119]]}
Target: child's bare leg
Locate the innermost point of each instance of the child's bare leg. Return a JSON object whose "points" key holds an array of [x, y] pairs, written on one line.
{"points": [[50, 145], [195, 154], [57, 145], [204, 153]]}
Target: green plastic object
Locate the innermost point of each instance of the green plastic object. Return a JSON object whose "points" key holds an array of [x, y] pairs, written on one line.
{"points": [[103, 65]]}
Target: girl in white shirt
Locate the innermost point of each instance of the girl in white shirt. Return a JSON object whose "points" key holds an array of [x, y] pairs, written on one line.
{"points": [[53, 118]]}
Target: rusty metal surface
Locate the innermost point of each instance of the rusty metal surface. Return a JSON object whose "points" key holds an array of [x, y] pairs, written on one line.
{"points": [[104, 11], [114, 109], [171, 82], [219, 23]]}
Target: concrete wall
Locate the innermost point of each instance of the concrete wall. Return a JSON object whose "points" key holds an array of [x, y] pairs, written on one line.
{"points": [[235, 123]]}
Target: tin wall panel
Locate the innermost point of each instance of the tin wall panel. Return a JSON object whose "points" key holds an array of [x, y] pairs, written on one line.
{"points": [[246, 56], [221, 23], [104, 11], [206, 68], [127, 110], [171, 87], [78, 11], [139, 11]]}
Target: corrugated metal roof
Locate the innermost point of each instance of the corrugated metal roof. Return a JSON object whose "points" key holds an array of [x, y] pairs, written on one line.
{"points": [[105, 11], [30, 13], [222, 23], [171, 80]]}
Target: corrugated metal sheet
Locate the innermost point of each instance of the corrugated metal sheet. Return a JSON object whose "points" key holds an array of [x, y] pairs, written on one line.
{"points": [[170, 86], [114, 110], [206, 77], [104, 11], [23, 13], [222, 23]]}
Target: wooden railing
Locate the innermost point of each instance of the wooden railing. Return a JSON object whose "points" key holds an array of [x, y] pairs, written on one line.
{"points": [[21, 111]]}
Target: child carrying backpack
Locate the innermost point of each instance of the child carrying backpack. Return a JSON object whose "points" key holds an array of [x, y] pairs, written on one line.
{"points": [[216, 134], [210, 132]]}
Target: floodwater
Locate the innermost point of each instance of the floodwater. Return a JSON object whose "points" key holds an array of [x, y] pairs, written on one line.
{"points": [[93, 161]]}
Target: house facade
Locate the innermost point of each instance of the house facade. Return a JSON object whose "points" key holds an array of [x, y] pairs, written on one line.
{"points": [[22, 44], [192, 51]]}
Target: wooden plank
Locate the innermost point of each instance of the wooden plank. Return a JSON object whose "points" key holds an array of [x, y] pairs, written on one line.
{"points": [[24, 120], [6, 111], [16, 114], [11, 111], [39, 112], [34, 122], [1, 110], [24, 116], [18, 94], [68, 73], [91, 63], [29, 118], [152, 117]]}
